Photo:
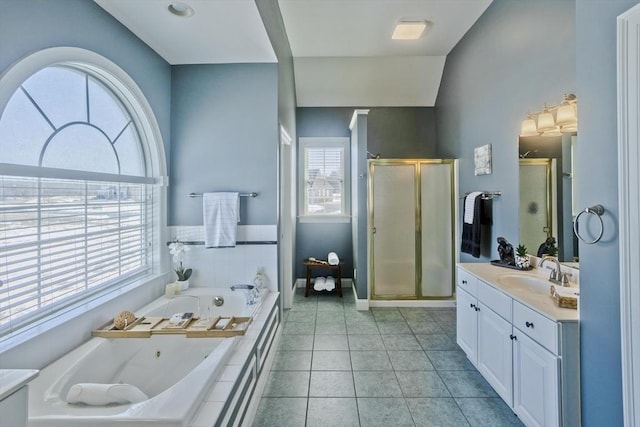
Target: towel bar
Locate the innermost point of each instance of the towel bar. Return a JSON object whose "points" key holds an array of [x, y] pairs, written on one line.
{"points": [[241, 194], [486, 194]]}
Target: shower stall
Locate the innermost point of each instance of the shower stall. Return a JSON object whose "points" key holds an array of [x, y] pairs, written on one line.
{"points": [[410, 245]]}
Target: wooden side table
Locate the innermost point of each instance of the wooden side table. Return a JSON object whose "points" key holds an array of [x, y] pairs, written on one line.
{"points": [[311, 265]]}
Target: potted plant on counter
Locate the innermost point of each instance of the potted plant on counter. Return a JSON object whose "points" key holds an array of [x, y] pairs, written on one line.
{"points": [[522, 259], [178, 250]]}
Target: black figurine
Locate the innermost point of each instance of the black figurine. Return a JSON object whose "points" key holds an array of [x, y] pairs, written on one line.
{"points": [[505, 250], [548, 247]]}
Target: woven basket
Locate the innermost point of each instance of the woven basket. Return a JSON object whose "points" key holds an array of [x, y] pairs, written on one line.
{"points": [[564, 301]]}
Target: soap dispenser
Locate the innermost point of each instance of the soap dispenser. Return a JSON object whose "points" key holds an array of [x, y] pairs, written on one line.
{"points": [[258, 280]]}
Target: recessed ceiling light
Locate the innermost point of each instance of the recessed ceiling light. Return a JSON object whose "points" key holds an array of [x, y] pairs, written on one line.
{"points": [[409, 29], [181, 9]]}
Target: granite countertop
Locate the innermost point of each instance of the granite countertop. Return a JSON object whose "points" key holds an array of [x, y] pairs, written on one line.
{"points": [[13, 379], [540, 302]]}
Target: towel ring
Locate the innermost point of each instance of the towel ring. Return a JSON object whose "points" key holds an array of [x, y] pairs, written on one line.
{"points": [[596, 210]]}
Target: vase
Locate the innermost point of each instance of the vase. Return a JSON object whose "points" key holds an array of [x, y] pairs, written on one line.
{"points": [[184, 284], [523, 262]]}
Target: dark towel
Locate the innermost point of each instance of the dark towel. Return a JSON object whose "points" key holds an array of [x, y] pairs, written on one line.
{"points": [[472, 233]]}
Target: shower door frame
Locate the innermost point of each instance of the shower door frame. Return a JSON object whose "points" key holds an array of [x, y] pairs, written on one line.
{"points": [[416, 163]]}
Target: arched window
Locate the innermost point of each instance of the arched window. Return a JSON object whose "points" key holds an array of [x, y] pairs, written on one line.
{"points": [[76, 189]]}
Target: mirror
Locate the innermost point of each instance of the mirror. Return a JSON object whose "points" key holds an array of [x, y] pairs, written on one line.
{"points": [[547, 193]]}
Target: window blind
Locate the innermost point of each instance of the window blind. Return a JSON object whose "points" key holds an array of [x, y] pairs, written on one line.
{"points": [[61, 239], [324, 177]]}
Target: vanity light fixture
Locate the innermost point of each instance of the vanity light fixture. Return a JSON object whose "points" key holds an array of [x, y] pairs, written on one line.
{"points": [[410, 29], [554, 120], [180, 9], [529, 127], [545, 120]]}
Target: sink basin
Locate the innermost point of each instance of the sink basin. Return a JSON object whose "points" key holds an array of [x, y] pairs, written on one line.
{"points": [[530, 283]]}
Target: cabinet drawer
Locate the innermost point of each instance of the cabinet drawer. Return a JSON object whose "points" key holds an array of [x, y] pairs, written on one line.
{"points": [[536, 326], [467, 281], [495, 300]]}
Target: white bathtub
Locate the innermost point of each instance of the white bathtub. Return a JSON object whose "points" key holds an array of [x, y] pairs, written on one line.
{"points": [[203, 299], [174, 371]]}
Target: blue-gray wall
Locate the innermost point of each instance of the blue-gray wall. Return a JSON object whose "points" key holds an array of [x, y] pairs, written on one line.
{"points": [[519, 55], [27, 26], [506, 65], [272, 19], [359, 212], [597, 159], [224, 129], [393, 132]]}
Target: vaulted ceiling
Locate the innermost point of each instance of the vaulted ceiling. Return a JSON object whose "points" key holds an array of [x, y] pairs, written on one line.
{"points": [[343, 51]]}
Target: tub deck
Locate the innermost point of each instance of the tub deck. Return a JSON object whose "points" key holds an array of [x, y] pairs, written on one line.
{"points": [[179, 399]]}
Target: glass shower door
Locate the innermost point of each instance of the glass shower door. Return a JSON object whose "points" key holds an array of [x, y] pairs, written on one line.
{"points": [[393, 230], [436, 228]]}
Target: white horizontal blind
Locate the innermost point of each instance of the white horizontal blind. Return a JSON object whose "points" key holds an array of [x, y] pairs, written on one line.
{"points": [[61, 239], [324, 179]]}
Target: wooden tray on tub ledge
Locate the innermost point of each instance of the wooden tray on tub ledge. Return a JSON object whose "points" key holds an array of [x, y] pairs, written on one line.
{"points": [[141, 328], [144, 327]]}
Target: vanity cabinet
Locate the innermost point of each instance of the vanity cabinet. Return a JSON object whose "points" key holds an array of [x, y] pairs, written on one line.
{"points": [[495, 352], [483, 334], [535, 382], [467, 325], [531, 360]]}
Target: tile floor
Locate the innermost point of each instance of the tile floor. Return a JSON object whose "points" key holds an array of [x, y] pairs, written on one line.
{"points": [[337, 366]]}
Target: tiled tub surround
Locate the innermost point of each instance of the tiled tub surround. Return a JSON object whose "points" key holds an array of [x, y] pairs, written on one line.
{"points": [[228, 266], [523, 344], [337, 366], [226, 390]]}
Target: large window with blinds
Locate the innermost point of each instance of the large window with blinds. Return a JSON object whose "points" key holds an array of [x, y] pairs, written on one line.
{"points": [[76, 198], [323, 172]]}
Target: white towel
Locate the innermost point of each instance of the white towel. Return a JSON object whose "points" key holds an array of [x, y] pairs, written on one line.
{"points": [[330, 283], [469, 204], [333, 258], [319, 284], [104, 394], [566, 291], [221, 214]]}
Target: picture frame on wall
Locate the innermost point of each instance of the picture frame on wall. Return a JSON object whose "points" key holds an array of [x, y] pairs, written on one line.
{"points": [[482, 160]]}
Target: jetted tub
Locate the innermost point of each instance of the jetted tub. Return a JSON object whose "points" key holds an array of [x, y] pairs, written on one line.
{"points": [[175, 372]]}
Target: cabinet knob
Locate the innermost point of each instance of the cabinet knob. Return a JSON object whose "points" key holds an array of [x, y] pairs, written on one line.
{"points": [[477, 308], [472, 305], [529, 324], [464, 282], [513, 337]]}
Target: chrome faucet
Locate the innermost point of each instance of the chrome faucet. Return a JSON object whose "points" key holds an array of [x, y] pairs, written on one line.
{"points": [[236, 287], [253, 294], [556, 276]]}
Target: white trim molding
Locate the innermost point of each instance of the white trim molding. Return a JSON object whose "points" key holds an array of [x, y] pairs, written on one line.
{"points": [[628, 45]]}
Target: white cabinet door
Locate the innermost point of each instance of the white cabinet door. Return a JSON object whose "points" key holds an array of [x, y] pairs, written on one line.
{"points": [[467, 324], [535, 370], [495, 352]]}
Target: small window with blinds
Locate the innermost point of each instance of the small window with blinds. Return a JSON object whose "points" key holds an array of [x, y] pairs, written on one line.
{"points": [[324, 186], [76, 204]]}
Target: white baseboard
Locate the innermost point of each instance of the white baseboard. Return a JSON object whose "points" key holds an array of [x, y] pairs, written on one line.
{"points": [[413, 303], [361, 303]]}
